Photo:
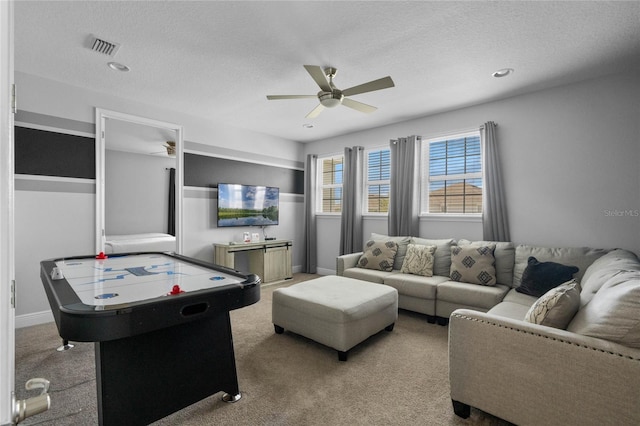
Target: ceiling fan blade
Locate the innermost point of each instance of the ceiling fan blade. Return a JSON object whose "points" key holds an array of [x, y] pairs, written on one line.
{"points": [[379, 84], [315, 112], [318, 76], [277, 97], [359, 106]]}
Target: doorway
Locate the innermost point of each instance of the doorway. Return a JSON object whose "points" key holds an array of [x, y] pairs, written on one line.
{"points": [[143, 151]]}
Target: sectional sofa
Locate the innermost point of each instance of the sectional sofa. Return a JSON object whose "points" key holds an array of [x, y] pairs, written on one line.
{"points": [[569, 354]]}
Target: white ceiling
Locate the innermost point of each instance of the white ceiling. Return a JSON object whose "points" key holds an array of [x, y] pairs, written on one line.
{"points": [[218, 60]]}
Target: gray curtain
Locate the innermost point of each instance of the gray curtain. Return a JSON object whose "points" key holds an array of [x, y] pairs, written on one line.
{"points": [[171, 216], [495, 226], [310, 234], [404, 208], [352, 187]]}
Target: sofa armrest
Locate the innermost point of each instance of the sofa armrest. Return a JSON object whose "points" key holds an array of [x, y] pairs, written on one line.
{"points": [[532, 374], [347, 261]]}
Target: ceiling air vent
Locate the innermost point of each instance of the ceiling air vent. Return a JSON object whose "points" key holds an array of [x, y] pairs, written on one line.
{"points": [[105, 47]]}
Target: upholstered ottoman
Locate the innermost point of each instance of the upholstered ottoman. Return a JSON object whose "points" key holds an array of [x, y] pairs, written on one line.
{"points": [[338, 312]]}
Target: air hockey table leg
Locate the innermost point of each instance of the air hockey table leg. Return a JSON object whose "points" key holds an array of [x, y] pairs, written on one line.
{"points": [[65, 346], [227, 397], [145, 377]]}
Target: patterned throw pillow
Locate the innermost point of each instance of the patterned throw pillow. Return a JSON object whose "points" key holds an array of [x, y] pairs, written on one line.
{"points": [[540, 277], [557, 307], [378, 255], [473, 264], [419, 260]]}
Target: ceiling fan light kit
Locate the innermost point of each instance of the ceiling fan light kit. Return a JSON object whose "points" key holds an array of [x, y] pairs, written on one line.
{"points": [[330, 96], [171, 148], [331, 100]]}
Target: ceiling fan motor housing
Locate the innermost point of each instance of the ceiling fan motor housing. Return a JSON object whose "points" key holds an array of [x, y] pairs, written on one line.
{"points": [[331, 99]]}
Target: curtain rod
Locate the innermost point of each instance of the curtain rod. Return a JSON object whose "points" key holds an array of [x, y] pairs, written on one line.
{"points": [[454, 132]]}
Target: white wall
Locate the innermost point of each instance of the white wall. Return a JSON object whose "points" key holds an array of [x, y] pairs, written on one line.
{"points": [[570, 160], [47, 225], [136, 193], [200, 230], [60, 222]]}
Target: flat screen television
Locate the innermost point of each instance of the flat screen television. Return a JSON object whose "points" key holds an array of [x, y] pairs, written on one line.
{"points": [[247, 205]]}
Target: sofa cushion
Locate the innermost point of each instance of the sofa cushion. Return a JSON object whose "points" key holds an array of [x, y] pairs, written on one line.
{"points": [[415, 285], [505, 254], [419, 260], [603, 269], [378, 255], [614, 312], [402, 243], [580, 257], [557, 307], [370, 275], [442, 256], [540, 277], [472, 295], [473, 264], [523, 299], [511, 310]]}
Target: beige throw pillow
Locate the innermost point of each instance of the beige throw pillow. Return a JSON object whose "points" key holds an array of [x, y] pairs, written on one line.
{"points": [[442, 256], [473, 264], [378, 255], [419, 260], [557, 307]]}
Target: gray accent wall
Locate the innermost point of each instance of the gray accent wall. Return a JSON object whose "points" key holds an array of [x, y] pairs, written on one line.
{"points": [[205, 171], [43, 152]]}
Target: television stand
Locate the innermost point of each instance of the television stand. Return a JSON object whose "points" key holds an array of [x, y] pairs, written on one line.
{"points": [[270, 259]]}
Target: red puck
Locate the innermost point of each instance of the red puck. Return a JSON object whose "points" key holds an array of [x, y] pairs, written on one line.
{"points": [[176, 290]]}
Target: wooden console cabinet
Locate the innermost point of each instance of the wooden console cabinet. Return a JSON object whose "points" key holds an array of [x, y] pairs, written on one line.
{"points": [[270, 260]]}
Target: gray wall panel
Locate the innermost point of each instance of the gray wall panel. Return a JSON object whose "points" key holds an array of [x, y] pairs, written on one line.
{"points": [[41, 152], [207, 172]]}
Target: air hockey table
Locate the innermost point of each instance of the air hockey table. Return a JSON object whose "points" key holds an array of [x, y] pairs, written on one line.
{"points": [[161, 327]]}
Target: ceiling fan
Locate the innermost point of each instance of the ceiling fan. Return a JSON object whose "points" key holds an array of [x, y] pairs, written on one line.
{"points": [[330, 96]]}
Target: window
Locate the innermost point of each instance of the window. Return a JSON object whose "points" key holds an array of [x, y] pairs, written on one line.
{"points": [[452, 174], [330, 182], [377, 183]]}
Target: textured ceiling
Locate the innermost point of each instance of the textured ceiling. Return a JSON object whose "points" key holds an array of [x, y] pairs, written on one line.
{"points": [[218, 60]]}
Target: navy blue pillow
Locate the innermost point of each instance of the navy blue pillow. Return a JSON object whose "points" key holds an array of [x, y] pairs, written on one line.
{"points": [[540, 277]]}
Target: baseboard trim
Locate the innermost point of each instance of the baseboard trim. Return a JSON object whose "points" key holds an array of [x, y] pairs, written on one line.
{"points": [[34, 318], [325, 271]]}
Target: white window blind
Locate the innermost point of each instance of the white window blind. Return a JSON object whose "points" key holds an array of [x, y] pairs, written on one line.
{"points": [[377, 183], [452, 174], [330, 184]]}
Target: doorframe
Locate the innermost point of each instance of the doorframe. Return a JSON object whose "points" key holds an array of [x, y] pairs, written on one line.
{"points": [[7, 231], [102, 115]]}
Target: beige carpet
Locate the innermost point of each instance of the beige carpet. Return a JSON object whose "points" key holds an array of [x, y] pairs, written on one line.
{"points": [[393, 378]]}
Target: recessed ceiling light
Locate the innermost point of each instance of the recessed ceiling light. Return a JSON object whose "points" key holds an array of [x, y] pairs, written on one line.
{"points": [[118, 66], [503, 72], [307, 125]]}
